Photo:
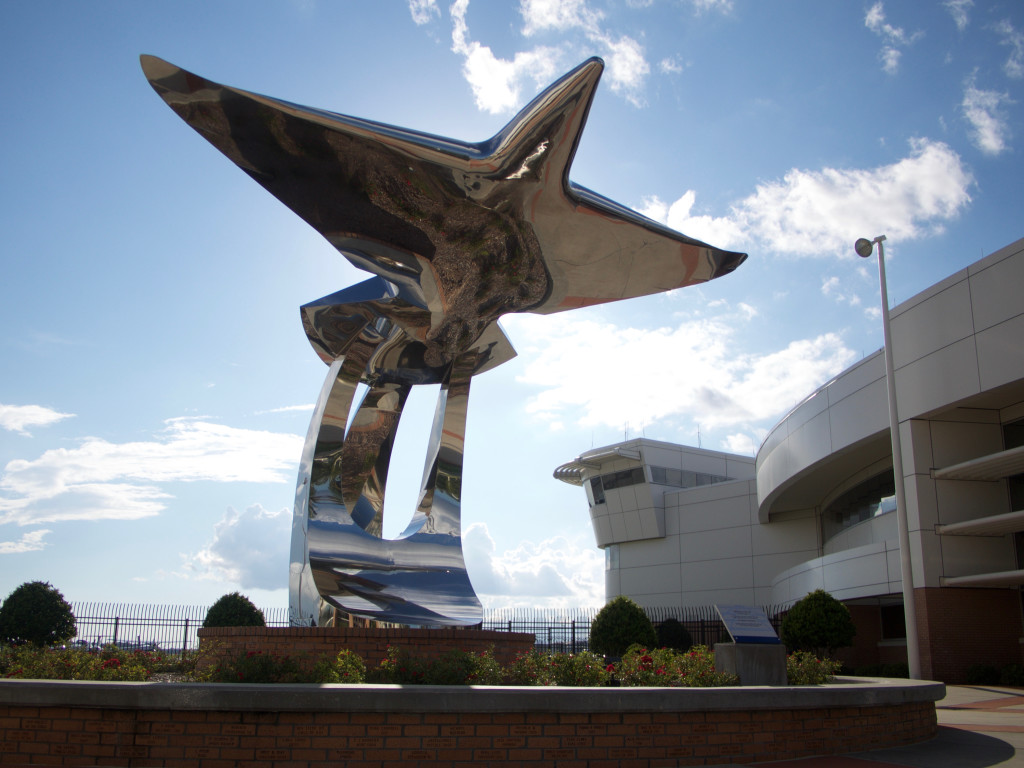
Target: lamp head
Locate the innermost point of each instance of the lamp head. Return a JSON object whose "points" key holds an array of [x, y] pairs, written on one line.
{"points": [[864, 247]]}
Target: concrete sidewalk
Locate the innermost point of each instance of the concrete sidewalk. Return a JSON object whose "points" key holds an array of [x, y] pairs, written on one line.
{"points": [[979, 726]]}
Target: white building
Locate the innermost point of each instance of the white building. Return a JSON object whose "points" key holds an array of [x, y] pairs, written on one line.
{"points": [[683, 526]]}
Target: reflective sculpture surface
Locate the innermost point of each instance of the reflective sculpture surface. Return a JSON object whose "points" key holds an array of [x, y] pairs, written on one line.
{"points": [[458, 234]]}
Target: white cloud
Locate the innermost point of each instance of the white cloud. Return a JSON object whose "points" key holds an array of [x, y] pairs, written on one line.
{"points": [[288, 409], [818, 213], [627, 67], [670, 66], [17, 418], [875, 21], [722, 232], [891, 36], [554, 573], [958, 10], [29, 542], [559, 15], [989, 128], [1014, 66], [703, 374], [890, 60], [702, 6], [495, 82], [423, 11], [249, 549], [740, 443], [103, 480]]}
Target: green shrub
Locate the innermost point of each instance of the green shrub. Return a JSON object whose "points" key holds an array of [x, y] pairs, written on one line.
{"points": [[530, 668], [672, 634], [664, 667], [110, 664], [982, 674], [259, 667], [803, 668], [1012, 675], [36, 613], [818, 623], [454, 667], [400, 667], [346, 667], [234, 610], [620, 624], [584, 669]]}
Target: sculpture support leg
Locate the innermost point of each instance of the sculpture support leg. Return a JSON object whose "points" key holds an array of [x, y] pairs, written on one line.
{"points": [[418, 578]]}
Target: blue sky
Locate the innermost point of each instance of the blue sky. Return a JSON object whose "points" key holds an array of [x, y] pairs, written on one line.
{"points": [[156, 384]]}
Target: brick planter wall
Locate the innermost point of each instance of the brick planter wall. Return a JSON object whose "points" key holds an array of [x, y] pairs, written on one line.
{"points": [[215, 726], [310, 643]]}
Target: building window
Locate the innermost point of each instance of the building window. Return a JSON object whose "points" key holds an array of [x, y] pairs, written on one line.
{"points": [[871, 498], [595, 491], [894, 625], [623, 478], [683, 478], [611, 557]]}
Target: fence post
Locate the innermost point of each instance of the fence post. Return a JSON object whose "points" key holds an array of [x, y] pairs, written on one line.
{"points": [[572, 629], [184, 638], [116, 620]]}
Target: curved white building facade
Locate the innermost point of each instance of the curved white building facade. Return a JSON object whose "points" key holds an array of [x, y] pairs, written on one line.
{"points": [[815, 509]]}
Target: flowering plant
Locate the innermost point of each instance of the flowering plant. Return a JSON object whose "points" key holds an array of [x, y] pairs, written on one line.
{"points": [[111, 663], [694, 668], [804, 668]]}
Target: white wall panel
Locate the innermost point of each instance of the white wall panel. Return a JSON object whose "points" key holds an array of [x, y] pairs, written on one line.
{"points": [[734, 573], [652, 579], [650, 552], [943, 319], [943, 377], [1001, 353], [996, 292], [714, 545]]}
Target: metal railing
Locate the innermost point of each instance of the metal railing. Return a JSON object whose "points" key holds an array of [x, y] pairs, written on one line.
{"points": [[131, 625], [173, 628], [568, 631]]}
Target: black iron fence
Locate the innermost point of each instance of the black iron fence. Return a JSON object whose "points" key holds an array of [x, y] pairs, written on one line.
{"points": [[173, 627], [168, 627]]}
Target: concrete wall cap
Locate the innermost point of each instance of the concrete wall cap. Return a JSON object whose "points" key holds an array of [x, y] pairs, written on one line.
{"points": [[844, 692]]}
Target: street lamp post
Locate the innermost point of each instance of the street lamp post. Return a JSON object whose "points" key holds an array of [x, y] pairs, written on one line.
{"points": [[864, 247]]}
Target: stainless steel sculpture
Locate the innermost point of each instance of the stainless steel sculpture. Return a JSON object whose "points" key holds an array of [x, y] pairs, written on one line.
{"points": [[458, 235]]}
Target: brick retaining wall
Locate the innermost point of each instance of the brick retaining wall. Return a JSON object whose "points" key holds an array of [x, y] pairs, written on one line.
{"points": [[227, 643], [215, 726]]}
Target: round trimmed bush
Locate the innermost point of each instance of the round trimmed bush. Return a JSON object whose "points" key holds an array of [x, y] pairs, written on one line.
{"points": [[36, 613], [234, 610], [818, 623], [620, 624], [672, 634]]}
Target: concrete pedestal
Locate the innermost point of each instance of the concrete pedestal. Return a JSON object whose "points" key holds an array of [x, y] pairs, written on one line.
{"points": [[755, 663]]}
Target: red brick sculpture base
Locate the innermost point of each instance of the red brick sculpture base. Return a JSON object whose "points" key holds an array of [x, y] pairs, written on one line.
{"points": [[215, 726]]}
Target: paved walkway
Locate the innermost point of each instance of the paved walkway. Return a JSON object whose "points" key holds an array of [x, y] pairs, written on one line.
{"points": [[979, 727]]}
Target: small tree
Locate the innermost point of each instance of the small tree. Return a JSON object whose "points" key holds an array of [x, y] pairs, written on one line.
{"points": [[818, 623], [620, 624], [36, 613], [234, 610], [672, 634]]}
